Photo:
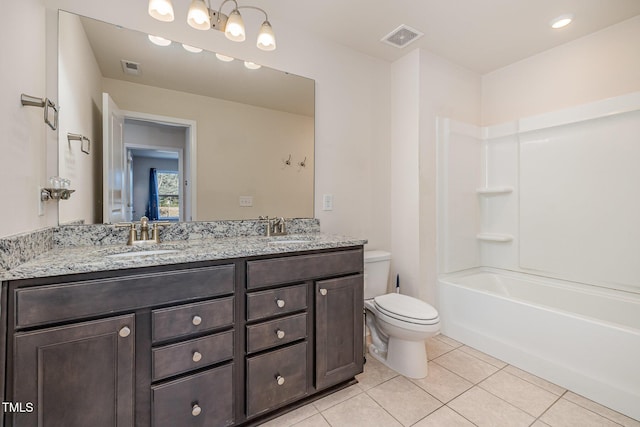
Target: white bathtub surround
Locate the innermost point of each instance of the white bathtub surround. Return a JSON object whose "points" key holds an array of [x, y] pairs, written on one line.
{"points": [[581, 337], [553, 199]]}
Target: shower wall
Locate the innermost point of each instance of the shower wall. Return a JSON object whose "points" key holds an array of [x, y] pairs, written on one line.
{"points": [[554, 194]]}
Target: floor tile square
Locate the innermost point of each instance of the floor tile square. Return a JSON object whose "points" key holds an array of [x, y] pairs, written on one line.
{"points": [[444, 417], [483, 356], [293, 417], [316, 420], [520, 393], [359, 411], [436, 348], [467, 366], [404, 400], [549, 386], [374, 373], [601, 410], [565, 413], [486, 410], [442, 384], [337, 397]]}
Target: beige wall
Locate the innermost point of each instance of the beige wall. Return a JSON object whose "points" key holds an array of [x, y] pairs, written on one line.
{"points": [[80, 95], [26, 143], [595, 67], [241, 151]]}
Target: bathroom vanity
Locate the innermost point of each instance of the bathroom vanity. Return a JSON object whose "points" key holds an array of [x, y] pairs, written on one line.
{"points": [[219, 342]]}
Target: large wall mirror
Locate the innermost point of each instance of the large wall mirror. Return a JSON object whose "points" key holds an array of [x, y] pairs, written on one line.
{"points": [[209, 137]]}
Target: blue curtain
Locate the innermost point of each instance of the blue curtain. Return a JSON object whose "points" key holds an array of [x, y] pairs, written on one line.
{"points": [[153, 208]]}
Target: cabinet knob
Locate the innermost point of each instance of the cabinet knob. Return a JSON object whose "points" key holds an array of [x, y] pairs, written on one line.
{"points": [[196, 410], [323, 291], [280, 303], [124, 332], [280, 379], [197, 356], [196, 320], [280, 333]]}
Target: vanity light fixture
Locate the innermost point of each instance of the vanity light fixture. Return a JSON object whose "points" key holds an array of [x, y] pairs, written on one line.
{"points": [[252, 65], [201, 17], [191, 49], [561, 21], [160, 41], [224, 58]]}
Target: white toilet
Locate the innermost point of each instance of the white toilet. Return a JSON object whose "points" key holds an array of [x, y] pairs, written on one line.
{"points": [[399, 324]]}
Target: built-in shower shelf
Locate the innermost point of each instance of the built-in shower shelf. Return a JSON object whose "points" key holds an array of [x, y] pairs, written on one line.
{"points": [[494, 237], [489, 191]]}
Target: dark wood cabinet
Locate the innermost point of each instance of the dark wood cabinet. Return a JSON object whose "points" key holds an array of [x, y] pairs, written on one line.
{"points": [[220, 343], [76, 376], [339, 329]]}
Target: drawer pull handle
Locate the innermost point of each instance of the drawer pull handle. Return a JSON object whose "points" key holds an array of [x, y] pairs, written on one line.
{"points": [[280, 302], [196, 410], [280, 333], [197, 356], [124, 332], [196, 320], [280, 380], [323, 291]]}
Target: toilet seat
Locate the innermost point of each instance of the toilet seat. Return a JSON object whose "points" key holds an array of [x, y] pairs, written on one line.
{"points": [[406, 309]]}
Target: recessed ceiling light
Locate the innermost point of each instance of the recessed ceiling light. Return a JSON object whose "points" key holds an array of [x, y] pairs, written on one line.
{"points": [[191, 49], [160, 41], [561, 21], [224, 58]]}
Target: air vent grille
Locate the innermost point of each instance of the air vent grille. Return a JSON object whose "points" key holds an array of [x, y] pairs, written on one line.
{"points": [[130, 67], [402, 36]]}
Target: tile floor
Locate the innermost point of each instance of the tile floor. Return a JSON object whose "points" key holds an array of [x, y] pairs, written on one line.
{"points": [[464, 388]]}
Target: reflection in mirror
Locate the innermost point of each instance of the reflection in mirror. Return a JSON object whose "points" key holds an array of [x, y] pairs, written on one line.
{"points": [[238, 142]]}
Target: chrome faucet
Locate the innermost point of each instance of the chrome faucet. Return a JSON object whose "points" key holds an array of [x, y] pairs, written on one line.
{"points": [[274, 226], [145, 236]]}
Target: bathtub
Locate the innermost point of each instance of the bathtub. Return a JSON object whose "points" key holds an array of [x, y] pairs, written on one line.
{"points": [[583, 338]]}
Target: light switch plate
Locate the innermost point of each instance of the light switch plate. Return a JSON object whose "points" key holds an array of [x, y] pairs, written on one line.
{"points": [[327, 202]]}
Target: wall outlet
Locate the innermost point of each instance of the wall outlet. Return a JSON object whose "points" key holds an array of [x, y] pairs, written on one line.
{"points": [[327, 202], [246, 201]]}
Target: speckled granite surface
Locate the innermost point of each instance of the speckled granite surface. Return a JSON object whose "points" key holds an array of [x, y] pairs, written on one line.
{"points": [[18, 249], [83, 259], [104, 234]]}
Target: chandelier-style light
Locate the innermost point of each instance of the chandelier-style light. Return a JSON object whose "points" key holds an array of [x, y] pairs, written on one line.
{"points": [[201, 17]]}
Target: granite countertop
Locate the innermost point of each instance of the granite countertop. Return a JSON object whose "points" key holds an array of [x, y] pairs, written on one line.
{"points": [[85, 259]]}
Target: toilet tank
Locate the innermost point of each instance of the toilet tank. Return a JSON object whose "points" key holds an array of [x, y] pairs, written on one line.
{"points": [[376, 273]]}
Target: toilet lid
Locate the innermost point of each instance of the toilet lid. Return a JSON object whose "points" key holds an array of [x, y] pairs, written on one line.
{"points": [[404, 307]]}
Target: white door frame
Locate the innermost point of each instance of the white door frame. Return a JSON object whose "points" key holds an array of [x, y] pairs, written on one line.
{"points": [[190, 208]]}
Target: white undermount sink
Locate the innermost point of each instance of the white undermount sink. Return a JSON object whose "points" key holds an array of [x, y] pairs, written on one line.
{"points": [[142, 253]]}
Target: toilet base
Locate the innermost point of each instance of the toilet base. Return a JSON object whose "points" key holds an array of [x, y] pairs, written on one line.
{"points": [[408, 358]]}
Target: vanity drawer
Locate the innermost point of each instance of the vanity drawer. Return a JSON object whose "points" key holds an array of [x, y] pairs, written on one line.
{"points": [[276, 332], [168, 323], [193, 354], [282, 270], [204, 399], [276, 378], [39, 305], [276, 301]]}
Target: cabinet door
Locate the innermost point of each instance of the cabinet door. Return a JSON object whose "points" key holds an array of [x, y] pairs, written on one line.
{"points": [[76, 376], [339, 329]]}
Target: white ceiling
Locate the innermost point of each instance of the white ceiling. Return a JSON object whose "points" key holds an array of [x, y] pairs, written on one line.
{"points": [[481, 35]]}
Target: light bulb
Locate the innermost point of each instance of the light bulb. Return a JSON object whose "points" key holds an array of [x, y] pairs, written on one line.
{"points": [[252, 65], [234, 29], [198, 15], [162, 10], [266, 38]]}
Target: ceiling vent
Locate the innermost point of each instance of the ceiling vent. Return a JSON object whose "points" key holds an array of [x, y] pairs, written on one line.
{"points": [[130, 67], [402, 36]]}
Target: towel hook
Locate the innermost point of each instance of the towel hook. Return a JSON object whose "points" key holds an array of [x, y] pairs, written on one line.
{"points": [[46, 103], [82, 139]]}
